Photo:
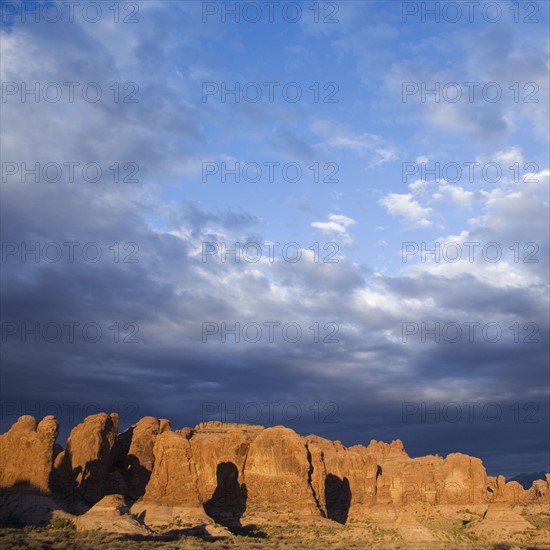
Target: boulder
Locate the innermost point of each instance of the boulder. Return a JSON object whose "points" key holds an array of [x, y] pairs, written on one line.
{"points": [[111, 514]]}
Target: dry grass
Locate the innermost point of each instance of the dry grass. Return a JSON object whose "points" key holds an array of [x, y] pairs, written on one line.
{"points": [[63, 537]]}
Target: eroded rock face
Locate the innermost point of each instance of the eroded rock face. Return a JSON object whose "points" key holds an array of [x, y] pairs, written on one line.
{"points": [[344, 479], [133, 456], [219, 452], [27, 453], [387, 451], [82, 470], [457, 479], [215, 443], [174, 479], [172, 493], [277, 472], [540, 490]]}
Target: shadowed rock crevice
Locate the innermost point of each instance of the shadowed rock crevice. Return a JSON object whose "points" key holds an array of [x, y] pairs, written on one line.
{"points": [[310, 481], [133, 456], [228, 503], [82, 470], [338, 498]]}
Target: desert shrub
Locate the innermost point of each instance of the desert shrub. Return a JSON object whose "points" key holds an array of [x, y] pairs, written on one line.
{"points": [[60, 523]]}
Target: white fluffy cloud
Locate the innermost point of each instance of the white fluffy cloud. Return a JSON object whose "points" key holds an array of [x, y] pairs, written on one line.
{"points": [[405, 207], [336, 227]]}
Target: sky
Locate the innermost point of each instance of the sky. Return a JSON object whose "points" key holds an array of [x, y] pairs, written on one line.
{"points": [[327, 215]]}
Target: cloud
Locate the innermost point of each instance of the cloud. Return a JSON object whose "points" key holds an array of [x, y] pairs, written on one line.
{"points": [[404, 206], [456, 194], [515, 220], [341, 136], [337, 227]]}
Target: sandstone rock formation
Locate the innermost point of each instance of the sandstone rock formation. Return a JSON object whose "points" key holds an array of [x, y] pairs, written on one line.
{"points": [[344, 479], [217, 476], [133, 456], [27, 455], [173, 490], [540, 490], [83, 468], [219, 452], [456, 479], [174, 478], [278, 472]]}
